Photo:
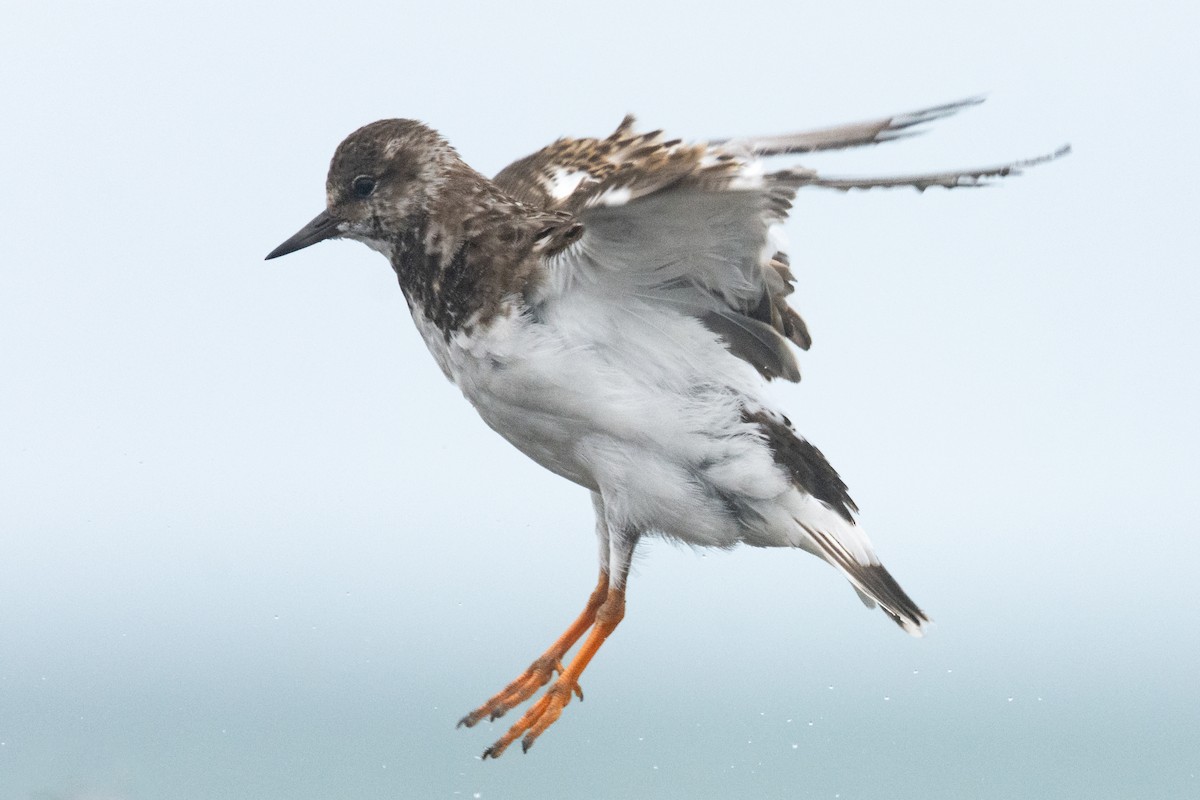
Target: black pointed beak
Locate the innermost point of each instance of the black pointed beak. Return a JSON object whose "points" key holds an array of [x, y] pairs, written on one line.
{"points": [[323, 226]]}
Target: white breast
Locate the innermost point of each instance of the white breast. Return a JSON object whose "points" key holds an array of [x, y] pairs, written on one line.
{"points": [[633, 401]]}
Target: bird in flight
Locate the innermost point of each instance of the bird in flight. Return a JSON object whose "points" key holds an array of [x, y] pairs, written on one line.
{"points": [[613, 308]]}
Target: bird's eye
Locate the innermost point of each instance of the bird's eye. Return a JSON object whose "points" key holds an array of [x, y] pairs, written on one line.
{"points": [[363, 185]]}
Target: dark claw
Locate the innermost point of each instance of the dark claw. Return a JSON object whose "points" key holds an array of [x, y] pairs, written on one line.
{"points": [[488, 754], [497, 714], [526, 743]]}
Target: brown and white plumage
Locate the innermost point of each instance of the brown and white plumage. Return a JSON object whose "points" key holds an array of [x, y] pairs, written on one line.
{"points": [[739, 291], [611, 307]]}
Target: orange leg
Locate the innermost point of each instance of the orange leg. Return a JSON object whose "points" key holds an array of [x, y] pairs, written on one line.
{"points": [[542, 669], [545, 711]]}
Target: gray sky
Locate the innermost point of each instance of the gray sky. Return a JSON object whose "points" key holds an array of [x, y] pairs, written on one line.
{"points": [[252, 544]]}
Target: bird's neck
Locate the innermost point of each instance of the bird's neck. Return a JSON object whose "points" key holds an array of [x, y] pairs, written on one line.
{"points": [[456, 261]]}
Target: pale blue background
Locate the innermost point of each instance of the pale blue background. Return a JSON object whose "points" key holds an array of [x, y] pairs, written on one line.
{"points": [[254, 546]]}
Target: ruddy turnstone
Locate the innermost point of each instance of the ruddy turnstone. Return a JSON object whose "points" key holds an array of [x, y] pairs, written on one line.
{"points": [[612, 307]]}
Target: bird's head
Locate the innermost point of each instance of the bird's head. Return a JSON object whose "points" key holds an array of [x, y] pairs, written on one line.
{"points": [[382, 176]]}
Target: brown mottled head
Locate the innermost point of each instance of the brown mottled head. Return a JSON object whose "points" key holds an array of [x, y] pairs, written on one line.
{"points": [[382, 175]]}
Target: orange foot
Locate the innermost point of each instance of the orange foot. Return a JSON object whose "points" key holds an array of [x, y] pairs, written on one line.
{"points": [[542, 670], [540, 716], [520, 690], [602, 615]]}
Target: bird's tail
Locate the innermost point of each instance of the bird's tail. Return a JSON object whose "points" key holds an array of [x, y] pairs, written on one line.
{"points": [[874, 584], [821, 507]]}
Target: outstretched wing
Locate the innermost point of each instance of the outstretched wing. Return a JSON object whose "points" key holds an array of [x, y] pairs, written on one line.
{"points": [[853, 134], [682, 224], [694, 225]]}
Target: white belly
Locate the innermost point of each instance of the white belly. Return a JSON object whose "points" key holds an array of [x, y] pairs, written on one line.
{"points": [[644, 408]]}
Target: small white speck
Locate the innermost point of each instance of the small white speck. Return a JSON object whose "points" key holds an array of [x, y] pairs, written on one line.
{"points": [[885, 697], [477, 795], [641, 738], [656, 766], [795, 747], [810, 723], [916, 672], [1010, 699], [831, 688]]}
